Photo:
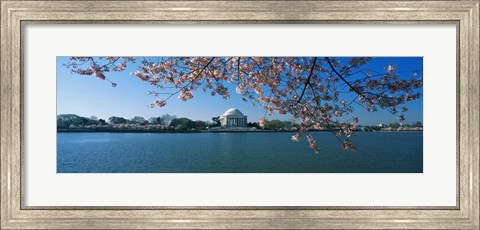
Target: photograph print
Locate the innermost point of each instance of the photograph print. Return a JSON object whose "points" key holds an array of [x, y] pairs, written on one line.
{"points": [[239, 114]]}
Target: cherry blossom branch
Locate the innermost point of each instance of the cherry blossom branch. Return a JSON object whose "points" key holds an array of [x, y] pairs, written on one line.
{"points": [[194, 79], [343, 79], [308, 80], [278, 83]]}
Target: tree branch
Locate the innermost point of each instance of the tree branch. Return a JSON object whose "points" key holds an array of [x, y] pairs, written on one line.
{"points": [[238, 69], [307, 82], [343, 79], [194, 79]]}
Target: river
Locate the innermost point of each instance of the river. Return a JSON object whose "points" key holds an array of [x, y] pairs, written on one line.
{"points": [[253, 152]]}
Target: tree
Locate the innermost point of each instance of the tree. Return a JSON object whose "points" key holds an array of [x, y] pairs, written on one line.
{"points": [[102, 122], [274, 125], [156, 121], [200, 125], [288, 125], [117, 120], [252, 124], [215, 122], [395, 125], [417, 124], [317, 91], [65, 121], [167, 118], [182, 123], [138, 120]]}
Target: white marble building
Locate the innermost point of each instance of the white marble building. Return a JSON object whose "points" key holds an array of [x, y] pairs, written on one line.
{"points": [[233, 118]]}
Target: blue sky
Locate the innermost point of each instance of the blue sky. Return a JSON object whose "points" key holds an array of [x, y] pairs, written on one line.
{"points": [[88, 96]]}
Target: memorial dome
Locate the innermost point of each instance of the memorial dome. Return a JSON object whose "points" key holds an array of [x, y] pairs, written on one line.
{"points": [[233, 112]]}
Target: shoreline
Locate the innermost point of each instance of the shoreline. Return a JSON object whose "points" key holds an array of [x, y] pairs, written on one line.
{"points": [[211, 131]]}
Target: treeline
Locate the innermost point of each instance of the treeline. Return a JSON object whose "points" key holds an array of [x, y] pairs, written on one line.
{"points": [[278, 125], [170, 123], [415, 126], [165, 122], [290, 125]]}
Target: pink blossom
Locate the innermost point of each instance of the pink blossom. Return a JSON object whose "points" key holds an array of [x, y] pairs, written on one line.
{"points": [[312, 143], [239, 90], [144, 77], [296, 137], [160, 102], [185, 95], [262, 122], [355, 123], [97, 73], [347, 145]]}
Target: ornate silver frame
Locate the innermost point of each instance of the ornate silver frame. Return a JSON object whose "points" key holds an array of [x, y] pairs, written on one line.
{"points": [[16, 14]]}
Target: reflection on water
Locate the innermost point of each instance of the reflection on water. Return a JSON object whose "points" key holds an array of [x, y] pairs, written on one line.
{"points": [[392, 152]]}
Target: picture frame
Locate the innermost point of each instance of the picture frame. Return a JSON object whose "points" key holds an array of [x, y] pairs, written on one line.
{"points": [[15, 14]]}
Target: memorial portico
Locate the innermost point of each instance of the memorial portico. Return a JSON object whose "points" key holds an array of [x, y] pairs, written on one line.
{"points": [[233, 118]]}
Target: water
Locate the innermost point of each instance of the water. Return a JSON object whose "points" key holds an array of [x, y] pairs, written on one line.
{"points": [[378, 152]]}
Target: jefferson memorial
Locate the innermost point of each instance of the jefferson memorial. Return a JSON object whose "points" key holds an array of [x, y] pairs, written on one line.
{"points": [[233, 118]]}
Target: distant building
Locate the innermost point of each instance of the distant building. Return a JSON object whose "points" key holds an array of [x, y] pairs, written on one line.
{"points": [[233, 118]]}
